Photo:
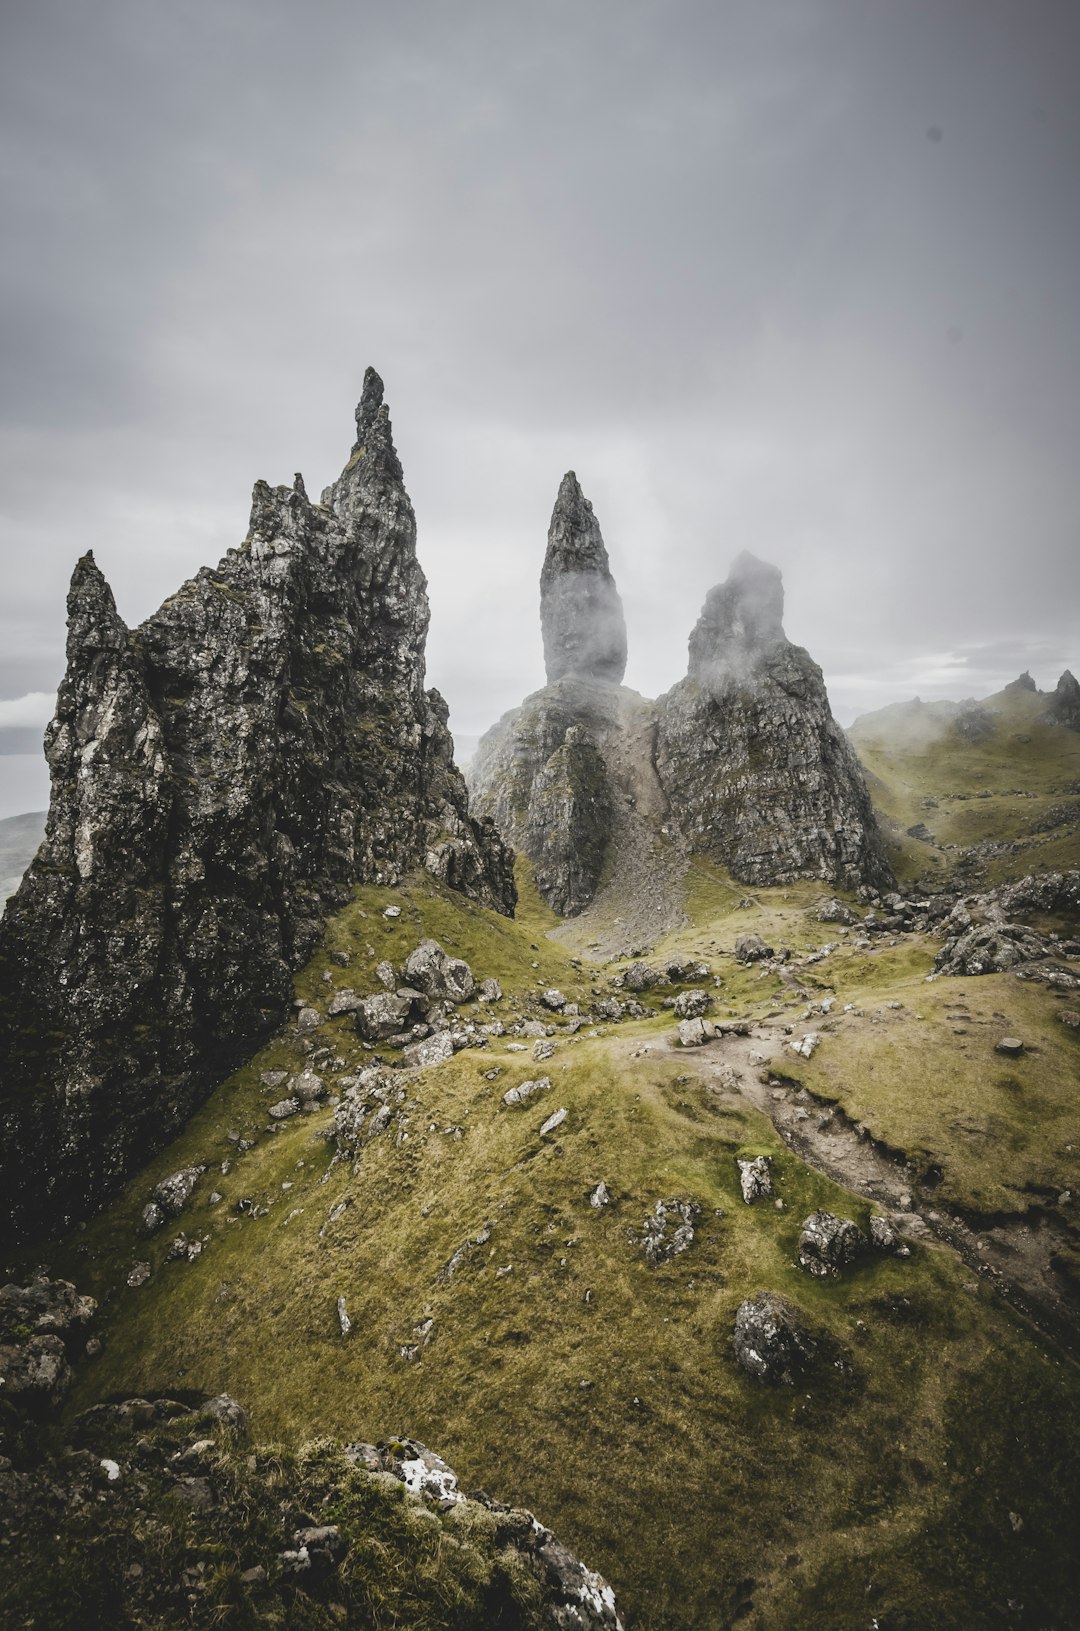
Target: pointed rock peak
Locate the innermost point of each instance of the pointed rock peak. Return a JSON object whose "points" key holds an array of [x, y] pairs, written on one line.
{"points": [[742, 618], [93, 620], [373, 451], [1023, 682], [581, 614], [575, 542], [1068, 686]]}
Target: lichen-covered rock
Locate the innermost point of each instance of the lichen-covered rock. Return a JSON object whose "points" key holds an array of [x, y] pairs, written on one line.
{"points": [[221, 777], [691, 1004], [581, 615], [989, 948], [438, 975], [769, 1340], [757, 773], [44, 1308], [755, 1179], [828, 1244], [750, 948], [669, 1230]]}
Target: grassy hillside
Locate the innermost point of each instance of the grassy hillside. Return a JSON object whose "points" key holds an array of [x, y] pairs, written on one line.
{"points": [[971, 789], [560, 1370]]}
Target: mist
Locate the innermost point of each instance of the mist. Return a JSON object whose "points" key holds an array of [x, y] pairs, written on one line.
{"points": [[797, 279]]}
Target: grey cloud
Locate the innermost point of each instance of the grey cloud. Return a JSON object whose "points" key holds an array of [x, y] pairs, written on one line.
{"points": [[702, 253]]}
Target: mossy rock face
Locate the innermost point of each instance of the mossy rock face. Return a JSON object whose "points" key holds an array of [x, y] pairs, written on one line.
{"points": [[151, 1513]]}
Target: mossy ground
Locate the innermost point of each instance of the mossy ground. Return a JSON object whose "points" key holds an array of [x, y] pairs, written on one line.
{"points": [[565, 1374]]}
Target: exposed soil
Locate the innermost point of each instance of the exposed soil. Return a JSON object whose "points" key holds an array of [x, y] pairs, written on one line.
{"points": [[1013, 1255]]}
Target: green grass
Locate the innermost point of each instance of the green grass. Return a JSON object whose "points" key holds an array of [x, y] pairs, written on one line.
{"points": [[583, 1384]]}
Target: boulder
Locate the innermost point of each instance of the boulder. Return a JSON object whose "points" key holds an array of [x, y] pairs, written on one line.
{"points": [[433, 1050], [525, 1090], [640, 977], [755, 1179], [769, 1340], [35, 1373], [387, 1013], [553, 999], [691, 1004], [884, 1238], [438, 975], [828, 1243], [751, 948]]}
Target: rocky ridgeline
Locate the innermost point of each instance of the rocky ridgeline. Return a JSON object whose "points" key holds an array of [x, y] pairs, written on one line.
{"points": [[221, 777], [123, 1510], [742, 761]]}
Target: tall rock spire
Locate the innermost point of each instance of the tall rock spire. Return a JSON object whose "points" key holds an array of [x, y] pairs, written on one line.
{"points": [[221, 777], [581, 615], [1064, 706]]}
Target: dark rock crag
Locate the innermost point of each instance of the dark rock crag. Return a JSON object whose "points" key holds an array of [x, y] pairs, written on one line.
{"points": [[1064, 705], [221, 777], [760, 775]]}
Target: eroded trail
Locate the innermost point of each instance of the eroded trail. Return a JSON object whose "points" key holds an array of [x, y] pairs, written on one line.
{"points": [[1013, 1255]]}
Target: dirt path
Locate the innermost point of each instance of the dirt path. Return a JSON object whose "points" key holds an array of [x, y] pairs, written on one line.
{"points": [[1013, 1255]]}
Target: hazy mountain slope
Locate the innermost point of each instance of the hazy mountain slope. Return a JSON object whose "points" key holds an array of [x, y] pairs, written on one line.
{"points": [[565, 1372], [994, 783]]}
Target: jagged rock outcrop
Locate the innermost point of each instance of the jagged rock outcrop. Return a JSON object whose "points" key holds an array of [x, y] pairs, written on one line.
{"points": [[221, 777], [1064, 706], [1023, 682], [581, 615], [756, 771]]}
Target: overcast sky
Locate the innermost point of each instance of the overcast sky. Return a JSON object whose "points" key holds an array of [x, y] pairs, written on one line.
{"points": [[793, 276]]}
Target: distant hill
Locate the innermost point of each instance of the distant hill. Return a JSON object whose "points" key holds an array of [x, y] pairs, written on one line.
{"points": [[987, 787]]}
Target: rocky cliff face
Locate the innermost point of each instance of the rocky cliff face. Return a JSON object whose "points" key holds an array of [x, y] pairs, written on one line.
{"points": [[759, 774], [741, 761], [221, 776]]}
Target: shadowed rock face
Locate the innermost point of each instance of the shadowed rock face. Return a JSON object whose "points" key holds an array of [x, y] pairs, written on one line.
{"points": [[581, 615], [757, 772], [1064, 706], [221, 777]]}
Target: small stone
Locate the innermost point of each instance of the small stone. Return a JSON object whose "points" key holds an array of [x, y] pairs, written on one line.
{"points": [[828, 1243], [308, 1019], [553, 1122], [139, 1274], [600, 1196], [343, 1315], [284, 1109], [755, 1179], [392, 912], [110, 1468], [1010, 1045]]}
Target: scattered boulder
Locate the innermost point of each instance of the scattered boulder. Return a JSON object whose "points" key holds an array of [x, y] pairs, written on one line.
{"points": [[345, 1001], [553, 1122], [750, 948], [433, 1050], [806, 1046], [170, 1196], [307, 1087], [600, 1196], [640, 977], [387, 1013], [755, 1179], [694, 1033], [989, 948], [35, 1373], [44, 1308], [691, 1004], [438, 975], [489, 990], [308, 1019], [553, 999], [669, 1230], [284, 1109], [769, 1340], [831, 910], [828, 1244], [525, 1090], [1010, 1046]]}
